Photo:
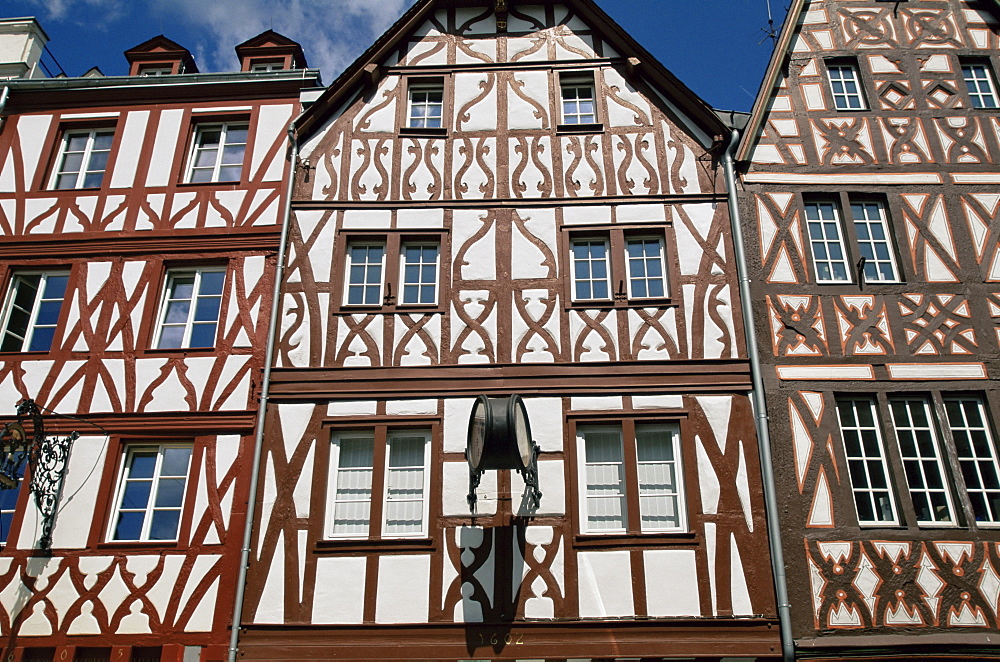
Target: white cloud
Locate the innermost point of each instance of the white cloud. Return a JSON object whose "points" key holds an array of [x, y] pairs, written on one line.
{"points": [[332, 32]]}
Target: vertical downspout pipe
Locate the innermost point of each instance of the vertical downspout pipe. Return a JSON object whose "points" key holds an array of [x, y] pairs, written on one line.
{"points": [[3, 103], [760, 410], [258, 444]]}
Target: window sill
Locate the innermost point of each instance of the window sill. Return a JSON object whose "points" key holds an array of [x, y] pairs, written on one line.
{"points": [[196, 351], [570, 129], [419, 132], [71, 191], [630, 303], [658, 539], [227, 182], [352, 545], [390, 309], [138, 544]]}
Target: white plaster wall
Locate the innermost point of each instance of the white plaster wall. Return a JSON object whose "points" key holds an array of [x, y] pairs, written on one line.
{"points": [[455, 489], [403, 589], [671, 582], [603, 584], [161, 161], [130, 149], [340, 590], [75, 515]]}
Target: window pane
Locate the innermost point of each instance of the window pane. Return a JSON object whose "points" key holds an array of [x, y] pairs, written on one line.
{"points": [[605, 480], [825, 241], [165, 525], [145, 477], [866, 461], [977, 455], [659, 490], [921, 459]]}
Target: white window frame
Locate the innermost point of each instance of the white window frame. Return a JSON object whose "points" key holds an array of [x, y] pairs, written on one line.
{"points": [[189, 324], [267, 65], [826, 242], [147, 520], [349, 262], [425, 511], [870, 223], [36, 305], [424, 87], [156, 70], [842, 100], [869, 492], [403, 282], [88, 154], [980, 75], [384, 470], [196, 148], [576, 82], [978, 461], [645, 261], [922, 461], [590, 261], [630, 493]]}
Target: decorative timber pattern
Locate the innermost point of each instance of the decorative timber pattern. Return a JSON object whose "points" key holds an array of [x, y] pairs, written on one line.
{"points": [[892, 187], [504, 189]]}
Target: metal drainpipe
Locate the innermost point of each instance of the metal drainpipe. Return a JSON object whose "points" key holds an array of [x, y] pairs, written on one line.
{"points": [[3, 103], [262, 409], [760, 409]]}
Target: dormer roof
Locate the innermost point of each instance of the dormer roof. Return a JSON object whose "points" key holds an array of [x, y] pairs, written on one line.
{"points": [[271, 46], [160, 52]]}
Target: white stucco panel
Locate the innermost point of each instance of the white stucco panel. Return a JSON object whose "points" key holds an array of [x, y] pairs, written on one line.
{"points": [[31, 132], [340, 590], [403, 589], [455, 489], [602, 590], [622, 95], [161, 161], [375, 119], [522, 113], [483, 115], [671, 582], [130, 149], [271, 124], [75, 514]]}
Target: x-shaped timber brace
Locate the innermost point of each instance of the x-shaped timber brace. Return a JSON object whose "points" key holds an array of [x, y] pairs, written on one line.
{"points": [[47, 460]]}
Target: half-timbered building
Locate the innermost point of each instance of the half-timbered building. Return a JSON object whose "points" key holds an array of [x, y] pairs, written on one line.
{"points": [[871, 209], [140, 218], [509, 198]]}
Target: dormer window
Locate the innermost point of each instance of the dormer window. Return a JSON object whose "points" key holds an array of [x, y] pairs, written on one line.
{"points": [[156, 70], [267, 65]]}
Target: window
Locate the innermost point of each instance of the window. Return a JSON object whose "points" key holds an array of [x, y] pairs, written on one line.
{"points": [[393, 465], [921, 455], [630, 478], [365, 264], [977, 455], [866, 461], [83, 158], [150, 495], [979, 84], [845, 85], [595, 267], [926, 450], [577, 94], [426, 105], [873, 241], [392, 271], [420, 272], [218, 152], [189, 315], [267, 65], [9, 496], [870, 241], [156, 70], [32, 311], [827, 245]]}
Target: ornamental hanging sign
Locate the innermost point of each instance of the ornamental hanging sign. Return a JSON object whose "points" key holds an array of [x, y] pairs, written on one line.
{"points": [[47, 458], [499, 437]]}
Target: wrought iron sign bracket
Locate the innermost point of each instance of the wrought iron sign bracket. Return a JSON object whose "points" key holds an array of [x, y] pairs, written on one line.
{"points": [[47, 459]]}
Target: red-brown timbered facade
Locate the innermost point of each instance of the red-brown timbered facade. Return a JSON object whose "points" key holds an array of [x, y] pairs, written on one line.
{"points": [[505, 198], [140, 219], [870, 203]]}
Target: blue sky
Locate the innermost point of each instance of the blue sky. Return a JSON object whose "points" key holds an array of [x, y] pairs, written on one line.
{"points": [[717, 47]]}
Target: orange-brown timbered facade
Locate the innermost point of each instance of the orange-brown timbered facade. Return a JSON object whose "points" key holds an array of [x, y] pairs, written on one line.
{"points": [[869, 197]]}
